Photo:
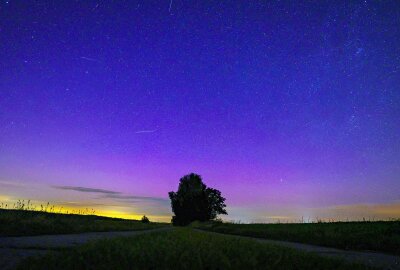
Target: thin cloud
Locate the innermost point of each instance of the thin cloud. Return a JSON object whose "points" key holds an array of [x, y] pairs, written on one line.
{"points": [[146, 131], [113, 194], [12, 184], [133, 198], [84, 189]]}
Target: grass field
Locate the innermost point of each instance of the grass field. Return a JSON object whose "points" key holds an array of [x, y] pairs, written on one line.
{"points": [[182, 248], [23, 222], [383, 236]]}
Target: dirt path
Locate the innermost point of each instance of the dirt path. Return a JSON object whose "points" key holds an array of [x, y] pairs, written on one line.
{"points": [[15, 249], [374, 259]]}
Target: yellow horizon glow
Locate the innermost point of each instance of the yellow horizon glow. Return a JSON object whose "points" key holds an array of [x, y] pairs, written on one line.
{"points": [[80, 209], [352, 212]]}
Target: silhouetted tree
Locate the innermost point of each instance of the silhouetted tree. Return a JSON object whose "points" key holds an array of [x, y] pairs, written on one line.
{"points": [[195, 201], [145, 219]]}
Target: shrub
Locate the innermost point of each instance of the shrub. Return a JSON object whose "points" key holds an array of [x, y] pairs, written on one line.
{"points": [[145, 219]]}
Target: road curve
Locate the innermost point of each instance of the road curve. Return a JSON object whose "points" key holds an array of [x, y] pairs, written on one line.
{"points": [[373, 259], [15, 249]]}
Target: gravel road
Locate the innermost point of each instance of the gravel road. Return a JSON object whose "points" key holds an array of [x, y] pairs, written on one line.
{"points": [[15, 249]]}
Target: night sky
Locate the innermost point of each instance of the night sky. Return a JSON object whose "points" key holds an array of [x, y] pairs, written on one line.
{"points": [[290, 109]]}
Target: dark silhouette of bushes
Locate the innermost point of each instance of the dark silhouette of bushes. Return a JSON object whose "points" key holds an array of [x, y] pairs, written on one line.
{"points": [[145, 219], [194, 201]]}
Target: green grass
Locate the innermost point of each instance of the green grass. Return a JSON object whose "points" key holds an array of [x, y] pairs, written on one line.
{"points": [[182, 248], [23, 222], [383, 236]]}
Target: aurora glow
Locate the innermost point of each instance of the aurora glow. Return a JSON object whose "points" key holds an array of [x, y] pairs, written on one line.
{"points": [[290, 110]]}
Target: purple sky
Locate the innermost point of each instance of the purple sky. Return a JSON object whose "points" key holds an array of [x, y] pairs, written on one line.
{"points": [[289, 109]]}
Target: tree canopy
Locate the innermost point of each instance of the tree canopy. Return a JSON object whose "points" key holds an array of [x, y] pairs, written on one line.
{"points": [[194, 201]]}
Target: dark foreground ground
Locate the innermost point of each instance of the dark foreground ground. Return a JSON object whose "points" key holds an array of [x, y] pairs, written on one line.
{"points": [[381, 236], [183, 248], [106, 243], [14, 249]]}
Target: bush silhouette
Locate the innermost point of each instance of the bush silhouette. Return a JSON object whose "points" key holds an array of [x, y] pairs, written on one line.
{"points": [[195, 201], [145, 219]]}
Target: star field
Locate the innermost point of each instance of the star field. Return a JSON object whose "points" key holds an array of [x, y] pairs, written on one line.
{"points": [[287, 108]]}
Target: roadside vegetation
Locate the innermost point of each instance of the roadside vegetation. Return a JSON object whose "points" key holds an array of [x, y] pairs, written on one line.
{"points": [[182, 248], [28, 222], [382, 236]]}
